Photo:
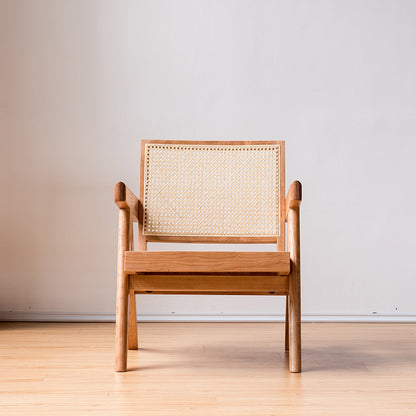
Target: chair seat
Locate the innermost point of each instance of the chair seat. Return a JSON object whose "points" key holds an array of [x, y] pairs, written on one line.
{"points": [[202, 262]]}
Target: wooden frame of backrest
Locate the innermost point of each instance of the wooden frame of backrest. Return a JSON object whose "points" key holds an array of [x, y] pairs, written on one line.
{"points": [[280, 240]]}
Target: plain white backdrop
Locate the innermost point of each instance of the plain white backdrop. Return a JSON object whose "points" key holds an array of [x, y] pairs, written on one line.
{"points": [[82, 81]]}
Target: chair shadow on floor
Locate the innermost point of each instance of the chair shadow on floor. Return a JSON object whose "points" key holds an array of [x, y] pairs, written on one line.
{"points": [[387, 354], [331, 358]]}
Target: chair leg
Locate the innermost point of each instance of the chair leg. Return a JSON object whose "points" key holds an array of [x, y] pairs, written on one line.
{"points": [[132, 332], [121, 329], [287, 325], [122, 293], [295, 352]]}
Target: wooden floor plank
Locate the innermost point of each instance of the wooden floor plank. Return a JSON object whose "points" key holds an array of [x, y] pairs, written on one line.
{"points": [[208, 369]]}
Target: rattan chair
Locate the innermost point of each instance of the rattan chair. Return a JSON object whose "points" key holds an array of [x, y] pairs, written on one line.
{"points": [[209, 192]]}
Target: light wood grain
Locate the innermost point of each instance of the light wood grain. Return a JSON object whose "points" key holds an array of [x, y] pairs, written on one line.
{"points": [[287, 324], [212, 261], [208, 369], [122, 291], [294, 196], [142, 242], [214, 142], [125, 198], [182, 284], [132, 326], [210, 240], [281, 240], [294, 306]]}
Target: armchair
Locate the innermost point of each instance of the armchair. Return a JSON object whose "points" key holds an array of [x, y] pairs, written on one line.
{"points": [[209, 192]]}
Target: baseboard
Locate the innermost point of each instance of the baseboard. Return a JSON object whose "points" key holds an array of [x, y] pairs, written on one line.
{"points": [[71, 317]]}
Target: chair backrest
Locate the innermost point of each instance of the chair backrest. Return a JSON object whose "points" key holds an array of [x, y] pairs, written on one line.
{"points": [[213, 191]]}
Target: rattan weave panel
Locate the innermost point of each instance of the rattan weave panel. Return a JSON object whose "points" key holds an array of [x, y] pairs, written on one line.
{"points": [[211, 190]]}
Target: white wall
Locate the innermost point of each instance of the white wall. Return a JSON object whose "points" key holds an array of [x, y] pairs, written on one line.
{"points": [[83, 81]]}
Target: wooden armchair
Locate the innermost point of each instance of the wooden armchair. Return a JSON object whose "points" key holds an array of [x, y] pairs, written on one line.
{"points": [[209, 192]]}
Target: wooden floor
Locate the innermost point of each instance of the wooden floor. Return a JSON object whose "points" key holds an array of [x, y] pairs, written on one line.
{"points": [[207, 369]]}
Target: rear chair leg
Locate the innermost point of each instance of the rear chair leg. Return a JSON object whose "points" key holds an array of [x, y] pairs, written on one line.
{"points": [[132, 332], [287, 325]]}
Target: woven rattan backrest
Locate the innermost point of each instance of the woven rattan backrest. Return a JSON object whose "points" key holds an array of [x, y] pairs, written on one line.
{"points": [[212, 191]]}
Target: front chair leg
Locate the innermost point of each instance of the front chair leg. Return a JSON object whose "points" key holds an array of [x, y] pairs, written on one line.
{"points": [[295, 352], [132, 332], [122, 292], [121, 329]]}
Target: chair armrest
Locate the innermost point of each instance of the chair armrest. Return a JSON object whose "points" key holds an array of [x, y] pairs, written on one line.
{"points": [[294, 196], [124, 198]]}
